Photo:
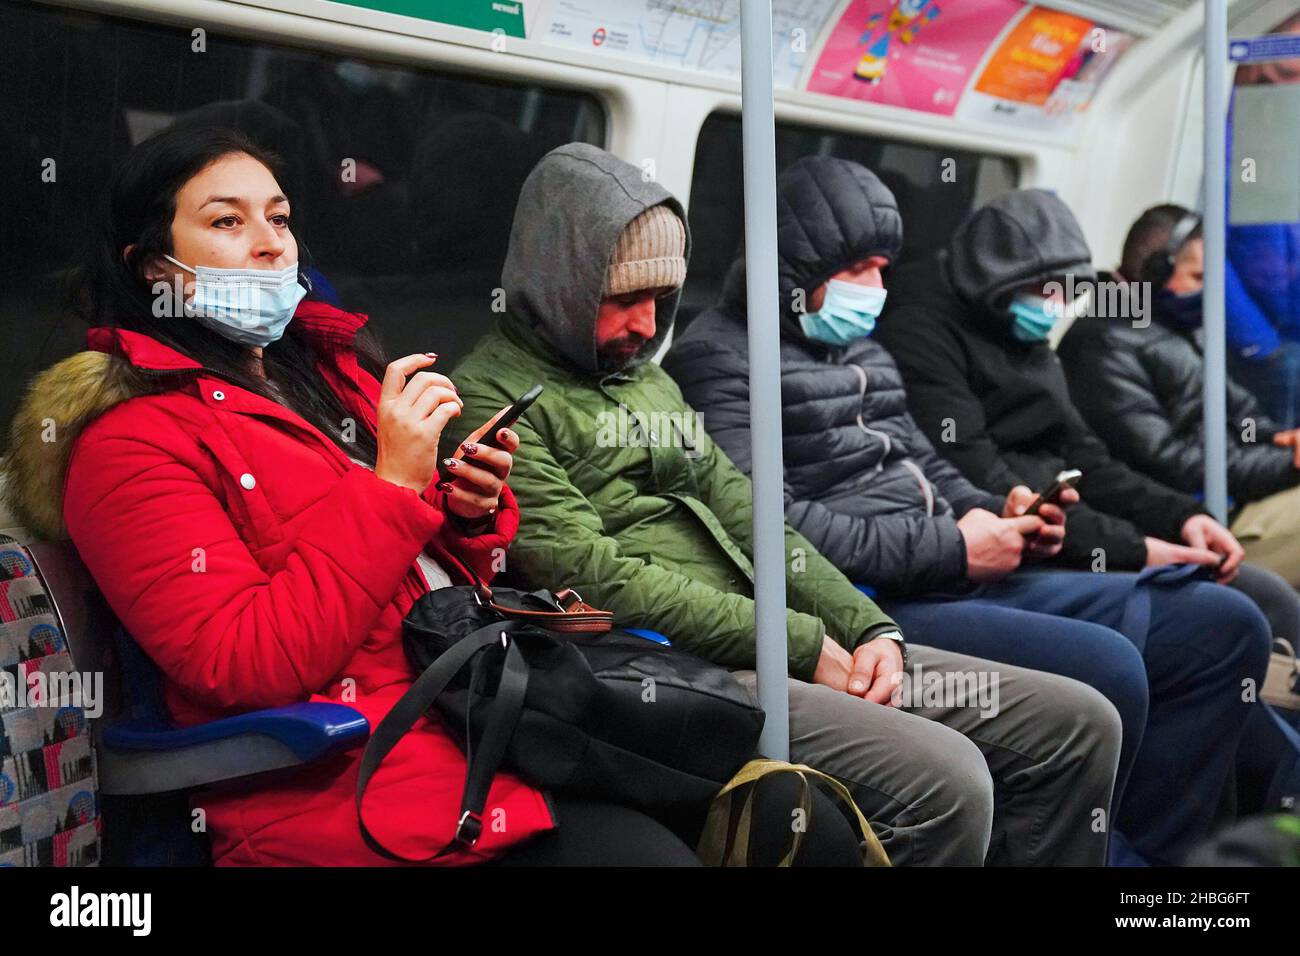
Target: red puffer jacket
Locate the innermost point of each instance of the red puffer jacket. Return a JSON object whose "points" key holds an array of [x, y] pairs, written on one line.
{"points": [[258, 566]]}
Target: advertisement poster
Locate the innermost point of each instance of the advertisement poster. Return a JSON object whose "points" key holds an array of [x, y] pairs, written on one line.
{"points": [[1045, 71], [919, 54], [690, 34]]}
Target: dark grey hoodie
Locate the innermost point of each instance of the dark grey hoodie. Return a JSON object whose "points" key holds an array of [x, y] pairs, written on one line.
{"points": [[572, 209], [1027, 236]]}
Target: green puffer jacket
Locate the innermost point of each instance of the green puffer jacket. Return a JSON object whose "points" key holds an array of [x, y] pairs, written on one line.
{"points": [[622, 494]]}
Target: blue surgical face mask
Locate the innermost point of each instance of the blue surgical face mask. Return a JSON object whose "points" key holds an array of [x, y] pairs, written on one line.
{"points": [[248, 306], [849, 312], [1182, 310], [1032, 317]]}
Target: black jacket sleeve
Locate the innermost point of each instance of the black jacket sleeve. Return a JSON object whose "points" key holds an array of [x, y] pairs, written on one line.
{"points": [[1112, 487], [1146, 401], [1146, 425], [895, 553]]}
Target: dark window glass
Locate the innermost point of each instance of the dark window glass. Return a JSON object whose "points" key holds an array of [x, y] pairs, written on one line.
{"points": [[415, 238], [931, 207]]}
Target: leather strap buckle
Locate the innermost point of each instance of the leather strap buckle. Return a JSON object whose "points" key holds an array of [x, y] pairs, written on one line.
{"points": [[469, 828], [569, 598]]}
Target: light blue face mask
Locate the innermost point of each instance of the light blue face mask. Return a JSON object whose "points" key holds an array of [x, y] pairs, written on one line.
{"points": [[248, 306], [1032, 317], [849, 312]]}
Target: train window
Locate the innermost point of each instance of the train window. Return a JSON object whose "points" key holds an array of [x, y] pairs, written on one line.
{"points": [[403, 180], [914, 172]]}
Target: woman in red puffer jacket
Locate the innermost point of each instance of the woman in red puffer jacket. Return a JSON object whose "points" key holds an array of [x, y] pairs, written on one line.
{"points": [[261, 511]]}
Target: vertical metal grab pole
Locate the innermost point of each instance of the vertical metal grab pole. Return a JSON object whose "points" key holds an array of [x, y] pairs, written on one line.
{"points": [[758, 122], [1216, 233]]}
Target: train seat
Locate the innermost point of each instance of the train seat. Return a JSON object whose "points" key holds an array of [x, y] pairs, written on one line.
{"points": [[145, 763]]}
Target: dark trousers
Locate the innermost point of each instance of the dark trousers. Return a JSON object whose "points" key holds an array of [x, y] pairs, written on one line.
{"points": [[593, 833], [1178, 685], [1268, 761]]}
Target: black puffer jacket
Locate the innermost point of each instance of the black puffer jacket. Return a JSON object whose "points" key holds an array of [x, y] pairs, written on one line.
{"points": [[862, 482], [1000, 410], [1140, 388]]}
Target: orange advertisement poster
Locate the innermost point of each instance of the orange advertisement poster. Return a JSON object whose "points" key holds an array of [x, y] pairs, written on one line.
{"points": [[1038, 52]]}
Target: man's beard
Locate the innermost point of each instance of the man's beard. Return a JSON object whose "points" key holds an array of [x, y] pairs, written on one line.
{"points": [[619, 353]]}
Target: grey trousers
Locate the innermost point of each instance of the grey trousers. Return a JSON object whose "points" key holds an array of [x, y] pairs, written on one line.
{"points": [[984, 764]]}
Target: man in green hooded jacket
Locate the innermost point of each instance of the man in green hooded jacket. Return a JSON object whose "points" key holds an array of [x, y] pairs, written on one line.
{"points": [[624, 498]]}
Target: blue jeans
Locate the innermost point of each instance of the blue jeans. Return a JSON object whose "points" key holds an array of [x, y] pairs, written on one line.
{"points": [[1176, 681]]}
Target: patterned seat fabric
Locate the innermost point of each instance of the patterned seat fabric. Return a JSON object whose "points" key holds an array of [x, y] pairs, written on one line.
{"points": [[49, 812]]}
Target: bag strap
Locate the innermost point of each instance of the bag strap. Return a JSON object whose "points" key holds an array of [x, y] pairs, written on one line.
{"points": [[740, 851], [564, 611], [1135, 619], [577, 619], [721, 844], [481, 769], [416, 702]]}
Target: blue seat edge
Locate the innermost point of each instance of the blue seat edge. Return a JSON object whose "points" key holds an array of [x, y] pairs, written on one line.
{"points": [[310, 730]]}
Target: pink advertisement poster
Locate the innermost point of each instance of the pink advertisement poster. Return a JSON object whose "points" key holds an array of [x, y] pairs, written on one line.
{"points": [[913, 53]]}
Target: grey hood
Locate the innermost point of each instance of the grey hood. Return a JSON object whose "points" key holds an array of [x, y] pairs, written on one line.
{"points": [[574, 205], [1024, 236]]}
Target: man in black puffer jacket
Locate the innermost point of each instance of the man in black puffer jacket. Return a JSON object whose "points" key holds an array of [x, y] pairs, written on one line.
{"points": [[866, 487], [1138, 383]]}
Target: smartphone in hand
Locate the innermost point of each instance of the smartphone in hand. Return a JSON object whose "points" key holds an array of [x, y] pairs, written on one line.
{"points": [[1052, 493], [490, 439], [511, 416]]}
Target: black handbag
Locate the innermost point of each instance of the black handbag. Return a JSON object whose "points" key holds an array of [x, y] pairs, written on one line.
{"points": [[540, 683]]}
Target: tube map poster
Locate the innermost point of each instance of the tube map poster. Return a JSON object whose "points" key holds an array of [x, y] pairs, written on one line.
{"points": [[918, 54], [690, 34]]}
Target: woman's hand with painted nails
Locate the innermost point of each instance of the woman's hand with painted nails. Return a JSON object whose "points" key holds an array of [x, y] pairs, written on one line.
{"points": [[476, 472]]}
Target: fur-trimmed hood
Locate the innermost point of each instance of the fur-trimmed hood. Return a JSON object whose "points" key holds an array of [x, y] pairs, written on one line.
{"points": [[64, 399], [59, 404]]}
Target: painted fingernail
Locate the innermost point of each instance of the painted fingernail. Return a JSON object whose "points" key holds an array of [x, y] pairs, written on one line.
{"points": [[470, 448], [431, 354], [856, 685], [492, 511], [503, 435], [444, 486], [451, 463]]}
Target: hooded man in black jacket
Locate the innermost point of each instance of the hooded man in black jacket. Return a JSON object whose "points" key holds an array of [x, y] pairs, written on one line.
{"points": [[1138, 383], [968, 328], [866, 487]]}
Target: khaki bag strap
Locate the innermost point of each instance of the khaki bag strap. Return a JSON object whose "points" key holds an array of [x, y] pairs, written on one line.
{"points": [[725, 841]]}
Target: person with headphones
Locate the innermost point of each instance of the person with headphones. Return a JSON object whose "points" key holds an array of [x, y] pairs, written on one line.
{"points": [[1138, 384]]}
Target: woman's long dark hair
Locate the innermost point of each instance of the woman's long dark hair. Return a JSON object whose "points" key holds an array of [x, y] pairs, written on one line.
{"points": [[139, 206]]}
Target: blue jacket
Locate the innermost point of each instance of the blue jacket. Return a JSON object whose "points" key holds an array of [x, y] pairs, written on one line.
{"points": [[1262, 277]]}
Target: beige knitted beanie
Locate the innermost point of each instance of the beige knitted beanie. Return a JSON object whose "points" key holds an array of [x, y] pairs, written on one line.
{"points": [[650, 254]]}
